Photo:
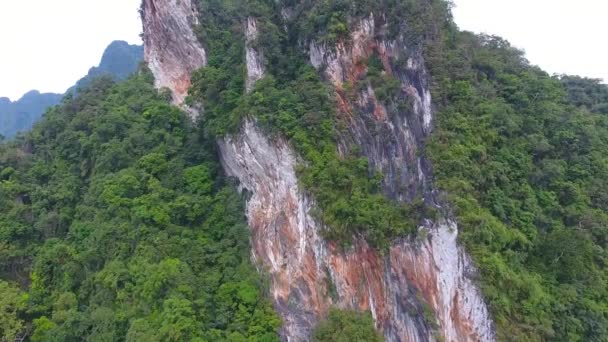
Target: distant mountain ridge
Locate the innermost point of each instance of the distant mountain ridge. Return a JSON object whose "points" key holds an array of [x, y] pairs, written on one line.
{"points": [[119, 60], [22, 114]]}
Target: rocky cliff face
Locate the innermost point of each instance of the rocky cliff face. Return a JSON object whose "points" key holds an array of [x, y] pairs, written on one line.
{"points": [[171, 48], [404, 288], [254, 58], [389, 137]]}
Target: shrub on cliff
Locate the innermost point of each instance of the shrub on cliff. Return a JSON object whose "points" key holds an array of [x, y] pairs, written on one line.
{"points": [[347, 326]]}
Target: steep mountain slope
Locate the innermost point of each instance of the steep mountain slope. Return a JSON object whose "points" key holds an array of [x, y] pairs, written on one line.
{"points": [[318, 226], [397, 179], [20, 115], [522, 156], [118, 61], [117, 225], [414, 276]]}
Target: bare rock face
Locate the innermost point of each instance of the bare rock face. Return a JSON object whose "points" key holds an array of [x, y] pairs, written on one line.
{"points": [[308, 274], [390, 139], [171, 48], [436, 267], [254, 58], [304, 268]]}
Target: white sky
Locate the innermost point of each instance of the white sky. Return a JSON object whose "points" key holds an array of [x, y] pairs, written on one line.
{"points": [[561, 36], [49, 44]]}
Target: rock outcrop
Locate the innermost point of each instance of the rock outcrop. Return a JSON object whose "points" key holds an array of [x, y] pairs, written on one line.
{"points": [[171, 47], [254, 59], [435, 267], [417, 291], [389, 137]]}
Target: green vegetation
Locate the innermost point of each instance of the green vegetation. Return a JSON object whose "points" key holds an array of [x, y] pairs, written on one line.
{"points": [[119, 61], [521, 155], [12, 307], [588, 93], [294, 103], [115, 218], [347, 326], [328, 21], [386, 87], [117, 224], [523, 159]]}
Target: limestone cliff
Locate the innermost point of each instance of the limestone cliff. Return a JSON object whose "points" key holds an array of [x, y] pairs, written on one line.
{"points": [[171, 48], [308, 274]]}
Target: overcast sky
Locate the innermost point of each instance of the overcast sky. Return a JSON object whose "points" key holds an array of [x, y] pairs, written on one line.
{"points": [[48, 45], [561, 36]]}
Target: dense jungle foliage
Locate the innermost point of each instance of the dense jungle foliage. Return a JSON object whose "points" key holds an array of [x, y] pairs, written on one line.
{"points": [[116, 225], [523, 157]]}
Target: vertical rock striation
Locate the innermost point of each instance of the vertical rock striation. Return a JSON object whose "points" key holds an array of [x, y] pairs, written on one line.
{"points": [[171, 47], [389, 137], [436, 267], [304, 268], [308, 274], [253, 57]]}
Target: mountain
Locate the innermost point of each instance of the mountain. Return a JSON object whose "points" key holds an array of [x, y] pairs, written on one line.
{"points": [[311, 171], [349, 93], [119, 61], [21, 115]]}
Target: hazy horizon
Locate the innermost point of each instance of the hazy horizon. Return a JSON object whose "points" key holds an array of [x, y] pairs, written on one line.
{"points": [[53, 44], [560, 36], [49, 45]]}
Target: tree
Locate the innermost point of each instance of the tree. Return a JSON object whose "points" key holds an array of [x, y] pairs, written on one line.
{"points": [[347, 326], [12, 306]]}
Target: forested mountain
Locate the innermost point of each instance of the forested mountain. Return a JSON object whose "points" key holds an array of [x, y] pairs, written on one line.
{"points": [[20, 115], [311, 170], [117, 221], [588, 93], [119, 61], [522, 157]]}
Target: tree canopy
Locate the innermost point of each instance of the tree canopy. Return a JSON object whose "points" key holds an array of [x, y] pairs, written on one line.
{"points": [[522, 157], [115, 218]]}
